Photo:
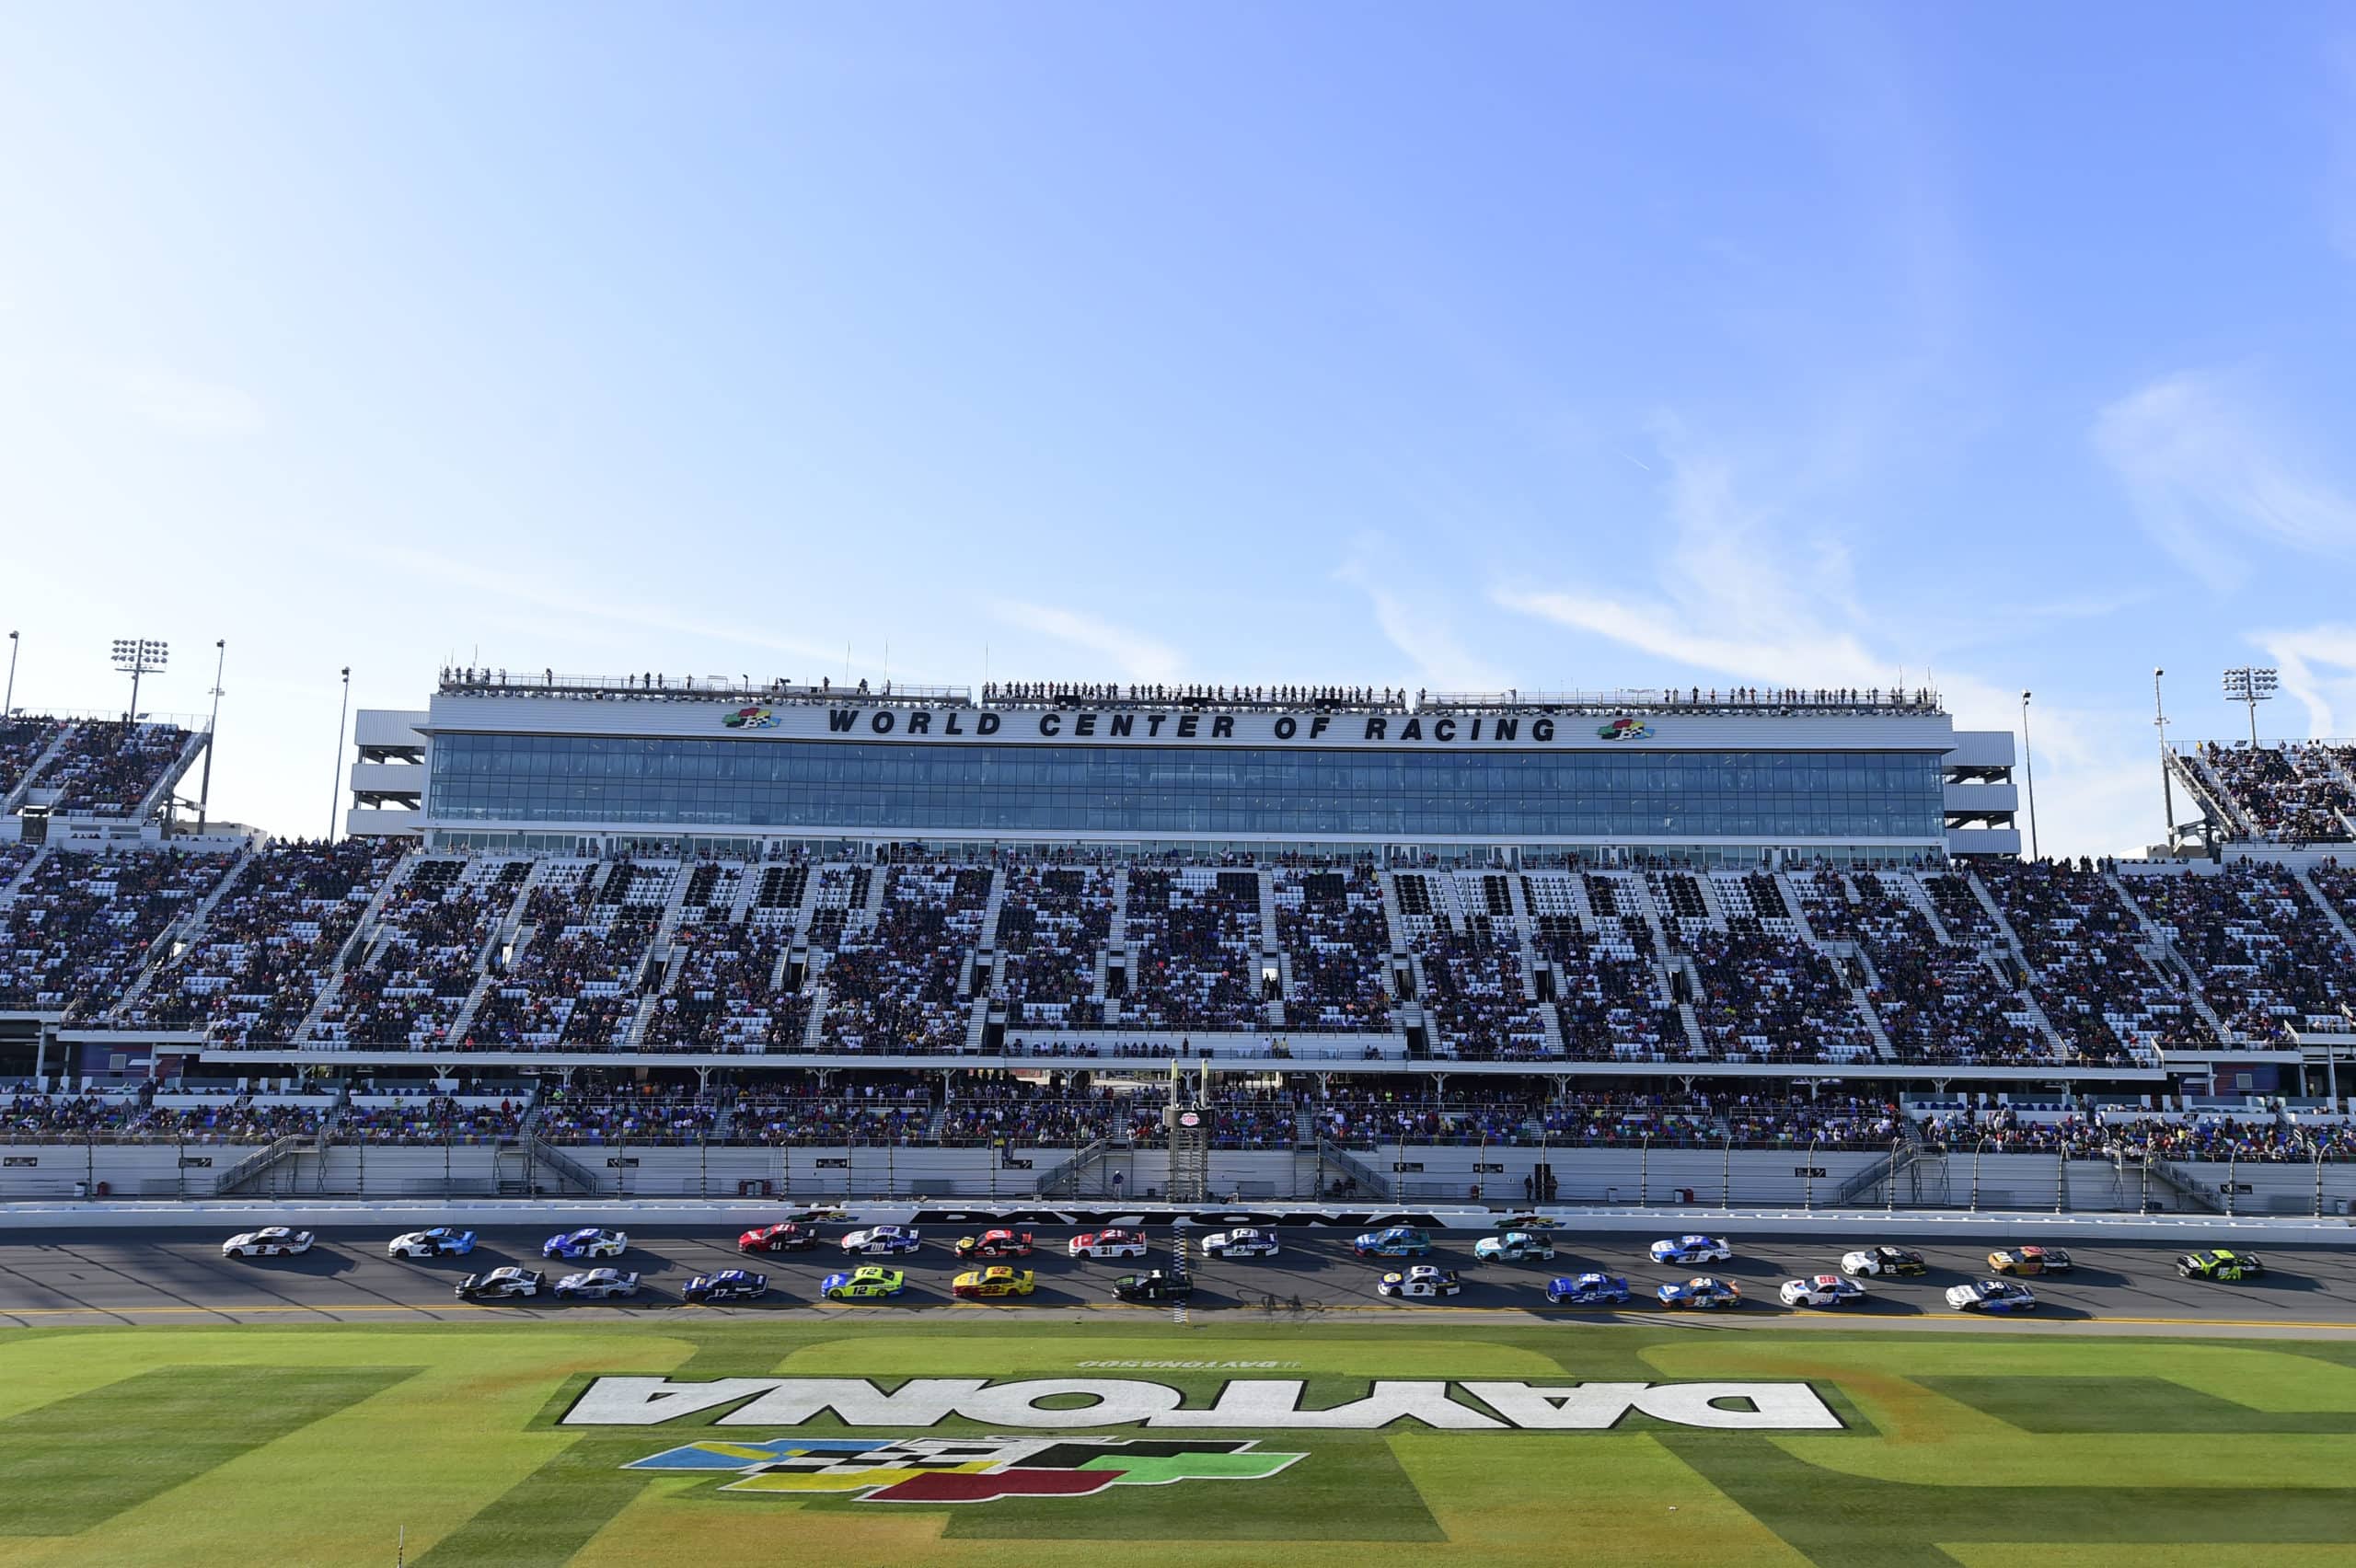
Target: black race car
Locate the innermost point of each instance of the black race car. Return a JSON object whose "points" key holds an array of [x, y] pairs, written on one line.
{"points": [[1154, 1288], [501, 1285], [2220, 1265]]}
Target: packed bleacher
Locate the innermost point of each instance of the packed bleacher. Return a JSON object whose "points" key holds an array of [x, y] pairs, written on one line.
{"points": [[1938, 1001], [108, 768], [22, 742], [1761, 998], [589, 925], [80, 928], [2262, 958], [1053, 924], [1195, 948], [428, 1119], [261, 956], [898, 982], [413, 984], [1336, 942], [2082, 945], [2290, 794]]}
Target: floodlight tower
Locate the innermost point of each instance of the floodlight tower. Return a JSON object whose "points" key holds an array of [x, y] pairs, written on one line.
{"points": [[2028, 764], [2251, 685], [137, 656], [2167, 789]]}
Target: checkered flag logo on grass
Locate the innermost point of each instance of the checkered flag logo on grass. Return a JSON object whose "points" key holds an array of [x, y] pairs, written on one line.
{"points": [[954, 1469]]}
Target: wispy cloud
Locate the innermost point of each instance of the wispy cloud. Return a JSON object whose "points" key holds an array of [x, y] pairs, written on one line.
{"points": [[1139, 657], [2318, 667], [186, 404], [1743, 594], [1422, 635], [2208, 472]]}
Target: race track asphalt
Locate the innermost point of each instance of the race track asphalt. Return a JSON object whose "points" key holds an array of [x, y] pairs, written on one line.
{"points": [[61, 1278]]}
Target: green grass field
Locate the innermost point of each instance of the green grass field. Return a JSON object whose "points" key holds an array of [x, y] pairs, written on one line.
{"points": [[320, 1444]]}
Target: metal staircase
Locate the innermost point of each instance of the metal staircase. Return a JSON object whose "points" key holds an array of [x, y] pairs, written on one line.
{"points": [[15, 797]]}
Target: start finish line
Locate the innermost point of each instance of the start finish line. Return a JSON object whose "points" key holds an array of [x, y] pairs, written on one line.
{"points": [[1270, 1404]]}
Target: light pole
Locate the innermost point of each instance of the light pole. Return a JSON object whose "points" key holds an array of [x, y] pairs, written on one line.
{"points": [[137, 656], [2028, 763], [2167, 790], [213, 735], [335, 794], [8, 703], [2253, 685]]}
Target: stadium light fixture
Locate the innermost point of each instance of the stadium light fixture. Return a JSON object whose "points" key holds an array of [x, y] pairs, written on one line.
{"points": [[2028, 763], [2249, 684], [137, 656], [2167, 789], [335, 795], [8, 703], [212, 734]]}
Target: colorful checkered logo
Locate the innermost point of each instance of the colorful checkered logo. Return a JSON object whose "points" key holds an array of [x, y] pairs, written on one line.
{"points": [[1624, 730], [749, 718], [960, 1469]]}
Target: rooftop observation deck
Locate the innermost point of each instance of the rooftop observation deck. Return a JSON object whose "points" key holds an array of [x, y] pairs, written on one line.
{"points": [[657, 687]]}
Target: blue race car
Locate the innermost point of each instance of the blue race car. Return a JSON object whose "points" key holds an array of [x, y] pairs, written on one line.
{"points": [[585, 1244], [1992, 1296], [728, 1285], [1399, 1241], [441, 1241], [1701, 1295], [1692, 1249], [1587, 1290]]}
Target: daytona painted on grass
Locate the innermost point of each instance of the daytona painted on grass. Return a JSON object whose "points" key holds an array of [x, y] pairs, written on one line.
{"points": [[323, 1444]]}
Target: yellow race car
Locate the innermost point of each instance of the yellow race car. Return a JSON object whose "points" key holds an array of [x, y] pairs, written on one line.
{"points": [[862, 1284], [996, 1280], [2029, 1261]]}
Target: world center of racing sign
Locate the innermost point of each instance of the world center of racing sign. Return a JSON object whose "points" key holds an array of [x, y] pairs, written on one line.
{"points": [[1255, 1404]]}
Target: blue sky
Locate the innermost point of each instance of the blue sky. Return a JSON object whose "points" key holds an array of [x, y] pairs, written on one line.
{"points": [[1450, 347]]}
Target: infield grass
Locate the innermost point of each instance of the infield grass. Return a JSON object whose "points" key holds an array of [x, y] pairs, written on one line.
{"points": [[321, 1444]]}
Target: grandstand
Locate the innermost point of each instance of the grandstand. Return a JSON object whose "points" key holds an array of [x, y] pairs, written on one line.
{"points": [[802, 921]]}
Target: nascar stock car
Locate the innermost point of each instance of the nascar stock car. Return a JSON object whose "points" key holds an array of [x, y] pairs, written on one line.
{"points": [[1992, 1296], [1514, 1247], [1822, 1290], [1587, 1290], [1421, 1280], [2029, 1261], [999, 1279], [1884, 1261], [995, 1244], [500, 1284], [271, 1242], [1399, 1241], [727, 1284], [441, 1241], [1153, 1288], [1701, 1295], [866, 1283], [1692, 1250], [786, 1238], [2220, 1265], [1239, 1244], [883, 1241], [574, 1244], [598, 1285], [1109, 1244]]}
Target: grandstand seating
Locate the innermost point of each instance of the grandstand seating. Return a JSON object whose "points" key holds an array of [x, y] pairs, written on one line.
{"points": [[1477, 992], [2290, 794], [80, 928], [1052, 926], [22, 742], [259, 960], [1195, 950], [1329, 924], [1937, 1001], [414, 982], [2258, 952], [108, 768], [587, 928], [899, 978]]}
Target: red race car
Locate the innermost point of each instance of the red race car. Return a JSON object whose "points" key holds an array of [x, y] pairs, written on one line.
{"points": [[778, 1238], [995, 1244]]}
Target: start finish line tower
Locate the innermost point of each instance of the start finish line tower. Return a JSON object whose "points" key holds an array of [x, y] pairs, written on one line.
{"points": [[1188, 1119]]}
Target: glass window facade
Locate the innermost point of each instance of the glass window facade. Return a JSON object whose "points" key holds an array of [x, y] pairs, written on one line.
{"points": [[1400, 796]]}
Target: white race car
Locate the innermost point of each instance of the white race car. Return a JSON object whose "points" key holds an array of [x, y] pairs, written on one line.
{"points": [[271, 1242], [598, 1285], [1109, 1244], [1822, 1290], [883, 1240], [1514, 1247], [441, 1241], [1239, 1244], [1884, 1261]]}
